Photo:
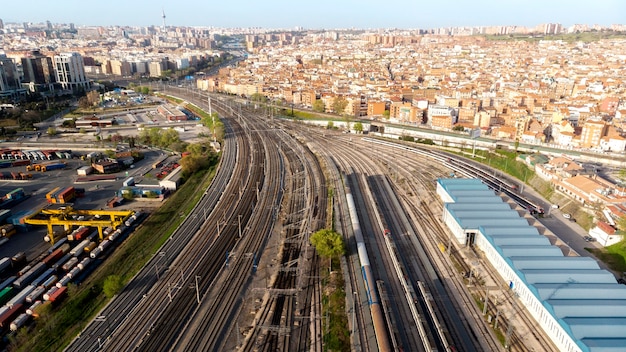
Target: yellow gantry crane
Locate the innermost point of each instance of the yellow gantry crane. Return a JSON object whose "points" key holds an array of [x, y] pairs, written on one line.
{"points": [[67, 217]]}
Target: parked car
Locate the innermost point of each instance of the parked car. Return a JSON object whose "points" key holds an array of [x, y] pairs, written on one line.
{"points": [[555, 206], [567, 216]]}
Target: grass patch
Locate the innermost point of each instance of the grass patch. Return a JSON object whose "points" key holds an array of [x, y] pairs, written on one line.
{"points": [[613, 256], [335, 323], [84, 302]]}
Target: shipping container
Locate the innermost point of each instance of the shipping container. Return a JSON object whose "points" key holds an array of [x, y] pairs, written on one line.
{"points": [[17, 193], [79, 234], [84, 170], [52, 194], [51, 167], [129, 182]]}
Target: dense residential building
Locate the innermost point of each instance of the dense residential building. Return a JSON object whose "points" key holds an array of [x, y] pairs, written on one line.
{"points": [[9, 77], [70, 71]]}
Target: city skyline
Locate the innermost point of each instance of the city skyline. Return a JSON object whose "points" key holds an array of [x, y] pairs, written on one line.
{"points": [[324, 14]]}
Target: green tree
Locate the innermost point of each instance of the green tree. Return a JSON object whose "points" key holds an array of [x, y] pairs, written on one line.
{"points": [[358, 127], [328, 243], [339, 105], [516, 144], [319, 106], [386, 114], [621, 223], [258, 98], [330, 125], [51, 131], [195, 149], [112, 285]]}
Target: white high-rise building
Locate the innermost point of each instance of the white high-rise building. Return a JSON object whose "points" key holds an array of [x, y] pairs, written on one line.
{"points": [[70, 71]]}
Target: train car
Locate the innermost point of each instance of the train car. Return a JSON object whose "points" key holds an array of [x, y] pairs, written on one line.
{"points": [[70, 264], [58, 266], [21, 296], [63, 281], [54, 256], [7, 317], [79, 248], [7, 283], [89, 247], [20, 321], [6, 294], [74, 272], [30, 275], [5, 263], [58, 295], [51, 281], [43, 277], [50, 292], [95, 253], [57, 245], [32, 310], [83, 263], [35, 294]]}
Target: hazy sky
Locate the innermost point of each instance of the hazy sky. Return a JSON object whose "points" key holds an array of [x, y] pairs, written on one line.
{"points": [[318, 14]]}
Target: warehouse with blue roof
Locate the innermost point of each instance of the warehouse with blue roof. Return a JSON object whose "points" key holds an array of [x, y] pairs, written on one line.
{"points": [[580, 306]]}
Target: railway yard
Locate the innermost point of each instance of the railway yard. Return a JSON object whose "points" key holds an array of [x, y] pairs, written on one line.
{"points": [[240, 273]]}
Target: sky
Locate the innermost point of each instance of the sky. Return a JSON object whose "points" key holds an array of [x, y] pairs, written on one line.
{"points": [[320, 14]]}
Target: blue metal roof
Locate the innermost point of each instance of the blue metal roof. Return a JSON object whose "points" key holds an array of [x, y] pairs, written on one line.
{"points": [[509, 230], [585, 300], [474, 206], [554, 262], [571, 290]]}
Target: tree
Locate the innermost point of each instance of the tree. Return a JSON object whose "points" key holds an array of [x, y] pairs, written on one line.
{"points": [[51, 131], [621, 223], [328, 243], [93, 98], [339, 105], [358, 127], [330, 125], [319, 106], [516, 144], [386, 114], [258, 98], [112, 285]]}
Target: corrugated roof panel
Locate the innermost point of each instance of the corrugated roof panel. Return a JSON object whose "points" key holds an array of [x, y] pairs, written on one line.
{"points": [[480, 200], [605, 345], [577, 290], [596, 327], [493, 214], [476, 193], [474, 206], [523, 240], [527, 262], [472, 224], [535, 276], [539, 251], [509, 230], [570, 308]]}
